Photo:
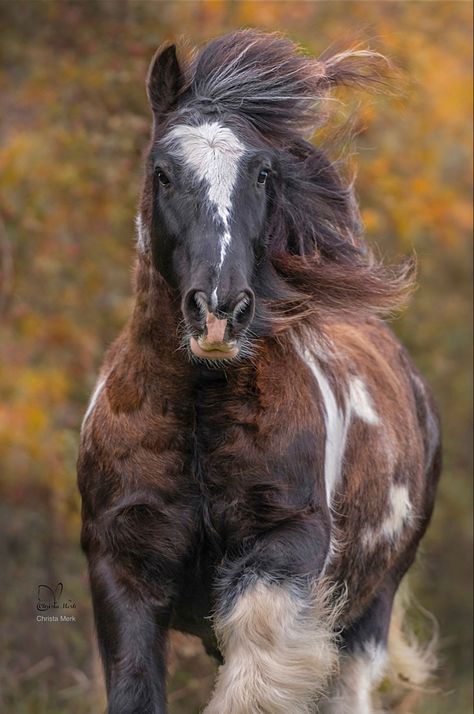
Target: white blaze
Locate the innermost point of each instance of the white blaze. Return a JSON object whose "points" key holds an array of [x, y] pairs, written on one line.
{"points": [[213, 153]]}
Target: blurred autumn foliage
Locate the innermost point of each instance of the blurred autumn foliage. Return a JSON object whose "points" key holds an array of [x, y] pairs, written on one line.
{"points": [[73, 127]]}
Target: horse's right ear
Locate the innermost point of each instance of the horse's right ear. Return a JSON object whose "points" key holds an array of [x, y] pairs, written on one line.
{"points": [[164, 82]]}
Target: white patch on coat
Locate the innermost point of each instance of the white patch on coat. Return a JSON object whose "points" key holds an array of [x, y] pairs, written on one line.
{"points": [[213, 153], [336, 428], [279, 651], [400, 511], [93, 400], [359, 675], [143, 235], [337, 420], [399, 516], [360, 402]]}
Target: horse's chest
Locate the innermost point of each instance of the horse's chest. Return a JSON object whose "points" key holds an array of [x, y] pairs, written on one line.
{"points": [[251, 482]]}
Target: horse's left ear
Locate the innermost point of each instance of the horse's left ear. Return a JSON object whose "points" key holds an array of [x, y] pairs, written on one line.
{"points": [[164, 82]]}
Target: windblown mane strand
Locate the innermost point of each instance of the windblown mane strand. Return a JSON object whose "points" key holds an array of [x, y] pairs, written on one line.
{"points": [[323, 269], [318, 267], [268, 79]]}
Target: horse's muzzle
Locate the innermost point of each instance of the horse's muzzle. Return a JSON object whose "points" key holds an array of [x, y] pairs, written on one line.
{"points": [[218, 333]]}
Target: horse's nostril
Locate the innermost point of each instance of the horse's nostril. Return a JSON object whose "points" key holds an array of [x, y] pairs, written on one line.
{"points": [[195, 307], [244, 309], [200, 300]]}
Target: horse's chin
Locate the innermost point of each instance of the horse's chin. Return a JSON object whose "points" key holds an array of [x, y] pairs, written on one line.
{"points": [[213, 350]]}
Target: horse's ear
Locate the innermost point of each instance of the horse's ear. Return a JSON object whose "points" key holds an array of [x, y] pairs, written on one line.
{"points": [[165, 80]]}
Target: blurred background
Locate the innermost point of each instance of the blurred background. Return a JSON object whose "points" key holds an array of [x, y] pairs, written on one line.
{"points": [[74, 124]]}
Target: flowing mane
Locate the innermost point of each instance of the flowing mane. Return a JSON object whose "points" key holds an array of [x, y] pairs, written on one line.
{"points": [[267, 79], [318, 267]]}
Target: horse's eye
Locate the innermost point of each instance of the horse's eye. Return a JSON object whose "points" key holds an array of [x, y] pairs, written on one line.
{"points": [[262, 176], [163, 178]]}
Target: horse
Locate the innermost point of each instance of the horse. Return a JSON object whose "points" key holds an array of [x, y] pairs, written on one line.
{"points": [[259, 458]]}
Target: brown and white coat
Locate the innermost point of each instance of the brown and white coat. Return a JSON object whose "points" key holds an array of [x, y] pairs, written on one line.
{"points": [[262, 476]]}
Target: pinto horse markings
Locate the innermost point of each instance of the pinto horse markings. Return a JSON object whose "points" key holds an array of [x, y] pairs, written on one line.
{"points": [[213, 152], [259, 458]]}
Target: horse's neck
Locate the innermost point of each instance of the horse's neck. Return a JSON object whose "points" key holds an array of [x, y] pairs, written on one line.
{"points": [[156, 315]]}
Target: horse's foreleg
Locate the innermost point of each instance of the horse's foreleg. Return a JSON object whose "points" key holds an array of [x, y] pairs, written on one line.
{"points": [[131, 629], [276, 633], [363, 658]]}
